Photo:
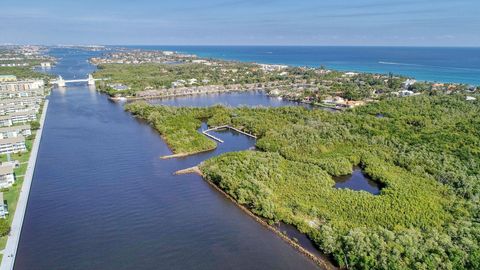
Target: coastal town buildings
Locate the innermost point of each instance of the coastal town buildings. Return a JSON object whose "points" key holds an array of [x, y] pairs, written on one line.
{"points": [[406, 93], [21, 94], [17, 109], [269, 68], [118, 86], [7, 178], [408, 83], [15, 131], [141, 57], [18, 118], [13, 145], [21, 85], [3, 207], [23, 101], [350, 74]]}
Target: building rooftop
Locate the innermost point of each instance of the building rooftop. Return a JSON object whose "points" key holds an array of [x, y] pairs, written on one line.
{"points": [[4, 170], [12, 140], [14, 128], [23, 113]]}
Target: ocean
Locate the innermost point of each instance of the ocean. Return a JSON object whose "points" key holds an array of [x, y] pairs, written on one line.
{"points": [[439, 64]]}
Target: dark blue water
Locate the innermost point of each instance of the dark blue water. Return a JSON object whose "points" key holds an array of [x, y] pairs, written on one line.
{"points": [[102, 198], [357, 181], [460, 65], [234, 99]]}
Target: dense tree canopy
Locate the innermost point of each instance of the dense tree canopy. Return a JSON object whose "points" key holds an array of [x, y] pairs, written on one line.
{"points": [[425, 150]]}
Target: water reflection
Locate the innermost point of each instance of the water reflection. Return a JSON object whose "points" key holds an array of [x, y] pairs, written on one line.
{"points": [[357, 181], [233, 99], [102, 198]]}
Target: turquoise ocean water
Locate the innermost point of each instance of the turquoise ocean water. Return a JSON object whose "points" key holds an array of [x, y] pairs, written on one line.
{"points": [[460, 65]]}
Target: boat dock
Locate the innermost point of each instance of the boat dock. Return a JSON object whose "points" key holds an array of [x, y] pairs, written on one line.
{"points": [[211, 136], [205, 132]]}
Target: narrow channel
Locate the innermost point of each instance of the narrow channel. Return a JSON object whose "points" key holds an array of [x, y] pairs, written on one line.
{"points": [[102, 198]]}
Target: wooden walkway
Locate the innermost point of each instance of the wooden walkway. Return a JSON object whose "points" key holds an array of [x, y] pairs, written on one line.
{"points": [[211, 136], [205, 132]]}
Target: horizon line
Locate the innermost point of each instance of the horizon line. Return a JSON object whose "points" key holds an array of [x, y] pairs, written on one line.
{"points": [[244, 45]]}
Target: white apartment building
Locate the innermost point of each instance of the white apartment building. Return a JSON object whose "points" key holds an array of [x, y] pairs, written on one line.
{"points": [[7, 178], [4, 110], [15, 131], [13, 145], [22, 85], [3, 207], [26, 101], [23, 117], [4, 94], [5, 121]]}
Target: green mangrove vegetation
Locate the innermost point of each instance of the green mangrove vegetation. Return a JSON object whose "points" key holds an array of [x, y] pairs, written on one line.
{"points": [[177, 126], [424, 150]]}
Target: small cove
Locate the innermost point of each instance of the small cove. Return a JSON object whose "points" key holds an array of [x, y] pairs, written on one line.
{"points": [[357, 181]]}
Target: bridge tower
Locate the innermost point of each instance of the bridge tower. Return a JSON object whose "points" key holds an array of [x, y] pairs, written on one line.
{"points": [[91, 80], [61, 82]]}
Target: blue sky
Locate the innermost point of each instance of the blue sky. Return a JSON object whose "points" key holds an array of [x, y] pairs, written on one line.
{"points": [[247, 22]]}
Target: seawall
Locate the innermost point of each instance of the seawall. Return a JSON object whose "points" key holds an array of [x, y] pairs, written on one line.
{"points": [[10, 251]]}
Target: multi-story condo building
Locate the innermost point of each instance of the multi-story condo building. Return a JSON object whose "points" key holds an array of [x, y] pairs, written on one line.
{"points": [[4, 110], [22, 85], [3, 207], [5, 121], [23, 117], [21, 94], [26, 101], [7, 178], [13, 145], [15, 131]]}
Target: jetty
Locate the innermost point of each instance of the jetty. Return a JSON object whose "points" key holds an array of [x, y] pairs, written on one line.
{"points": [[194, 169]]}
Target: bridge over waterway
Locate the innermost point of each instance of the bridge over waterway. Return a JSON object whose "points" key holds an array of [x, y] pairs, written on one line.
{"points": [[60, 82]]}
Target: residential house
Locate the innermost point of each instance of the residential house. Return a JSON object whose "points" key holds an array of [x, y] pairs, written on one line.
{"points": [[406, 93], [409, 82], [349, 74], [118, 86], [470, 98]]}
